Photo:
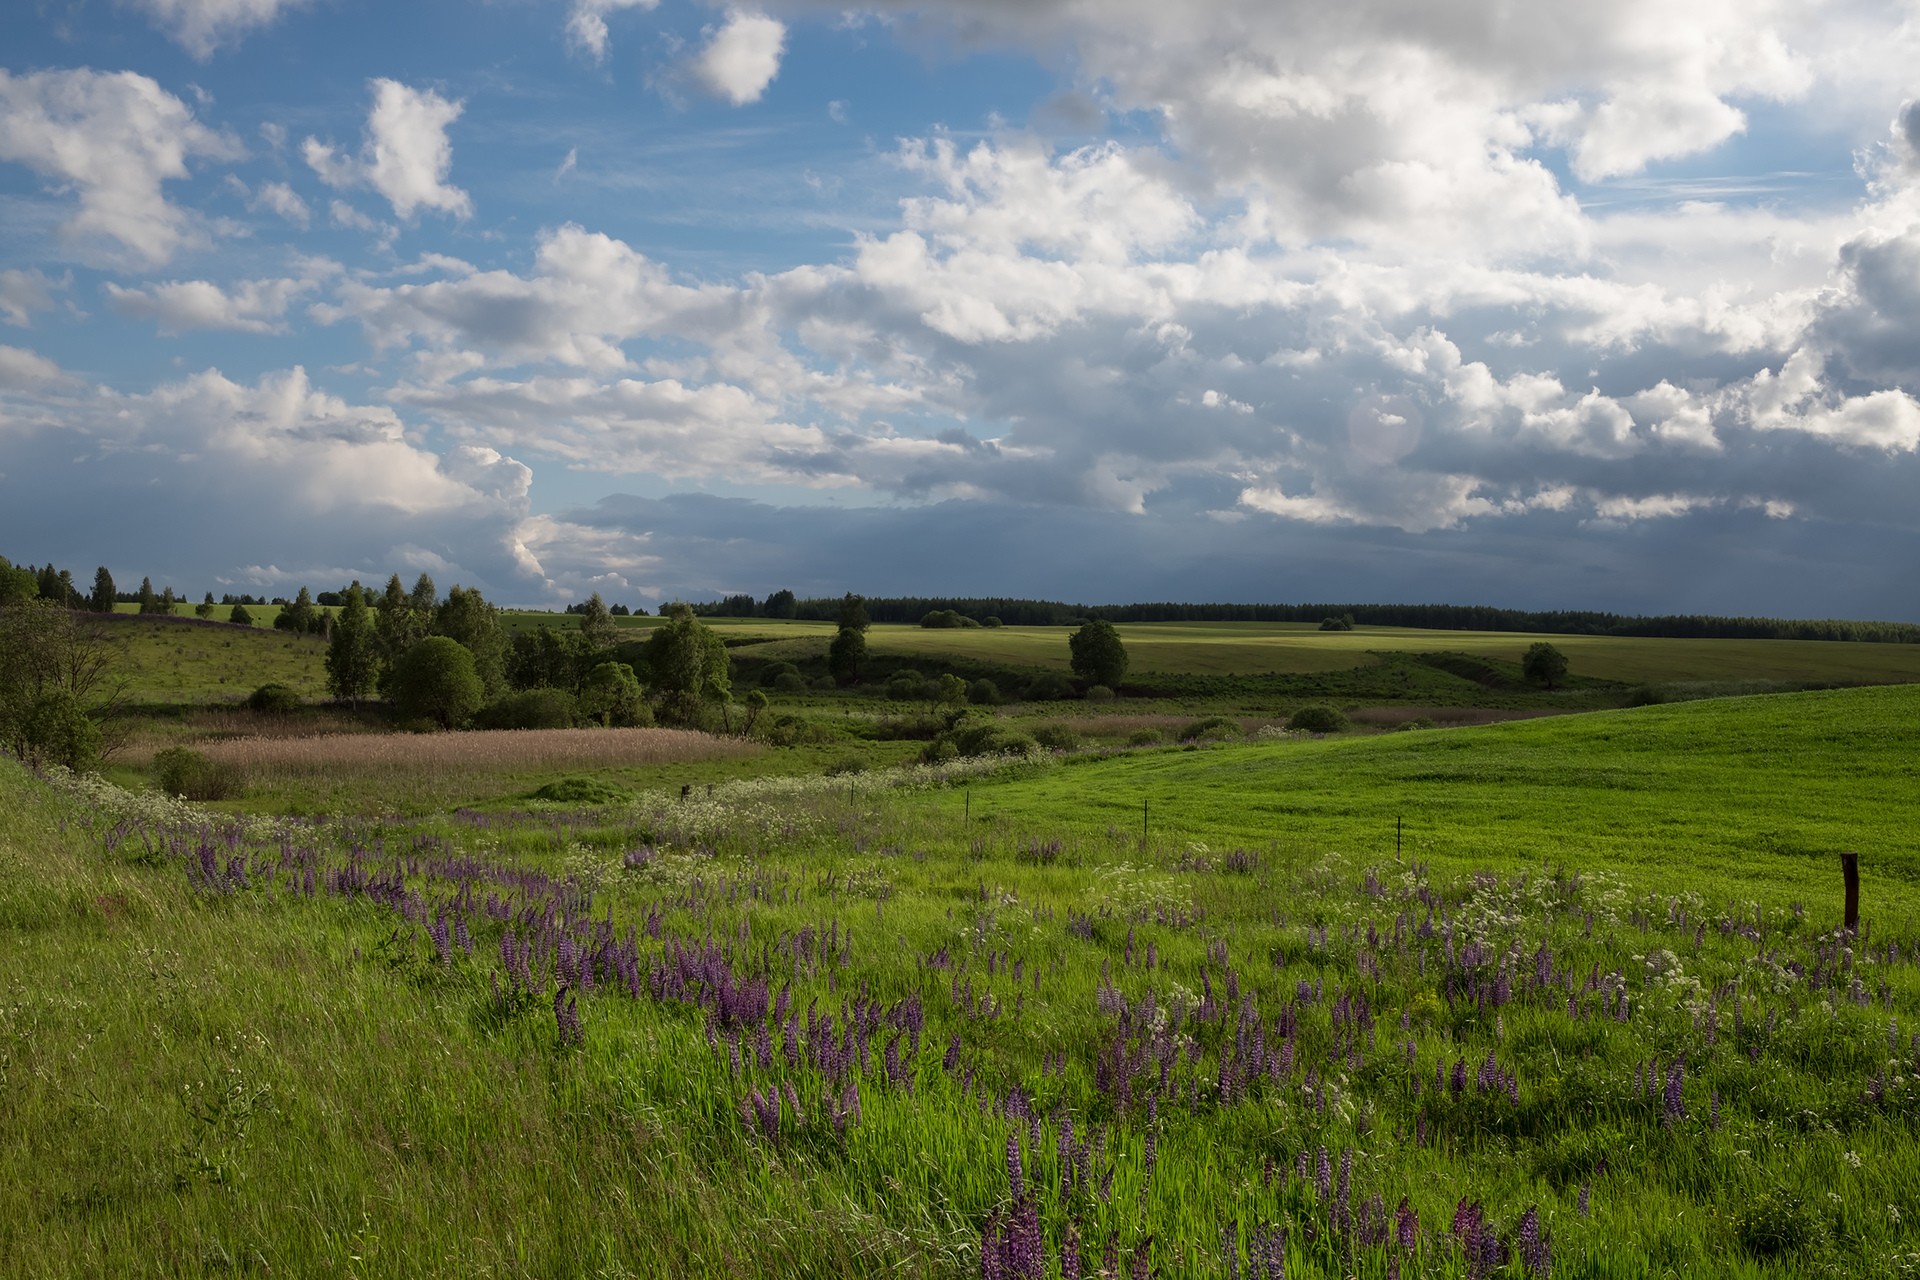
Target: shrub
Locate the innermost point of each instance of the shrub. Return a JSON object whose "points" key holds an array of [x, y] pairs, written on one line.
{"points": [[530, 709], [991, 621], [240, 616], [184, 772], [58, 730], [1211, 729], [1098, 693], [1316, 719], [771, 677], [983, 693], [1050, 687], [275, 699], [1421, 722], [795, 731], [1146, 738], [1055, 736], [906, 686], [1776, 1223], [582, 791], [791, 682], [984, 737]]}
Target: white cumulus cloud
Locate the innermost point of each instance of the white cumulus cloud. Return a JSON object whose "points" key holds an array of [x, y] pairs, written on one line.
{"points": [[743, 57], [112, 139], [406, 156]]}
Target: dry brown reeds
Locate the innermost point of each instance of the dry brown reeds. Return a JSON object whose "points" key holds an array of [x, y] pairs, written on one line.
{"points": [[499, 751]]}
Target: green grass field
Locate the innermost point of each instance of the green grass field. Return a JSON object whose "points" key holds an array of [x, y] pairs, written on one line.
{"points": [[1593, 1022]]}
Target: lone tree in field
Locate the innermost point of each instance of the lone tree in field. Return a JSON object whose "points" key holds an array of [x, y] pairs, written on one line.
{"points": [[1098, 655], [353, 664], [848, 652], [1544, 665], [436, 680]]}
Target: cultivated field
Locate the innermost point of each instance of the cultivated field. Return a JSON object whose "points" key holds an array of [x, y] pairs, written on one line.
{"points": [[1592, 1020]]}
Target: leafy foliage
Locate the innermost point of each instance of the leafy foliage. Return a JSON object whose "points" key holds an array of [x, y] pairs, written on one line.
{"points": [[1098, 655], [688, 667], [1544, 664], [437, 680]]}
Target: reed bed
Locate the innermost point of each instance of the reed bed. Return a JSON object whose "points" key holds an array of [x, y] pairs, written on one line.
{"points": [[499, 751]]}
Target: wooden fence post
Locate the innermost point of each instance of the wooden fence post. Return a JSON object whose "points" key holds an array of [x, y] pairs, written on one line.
{"points": [[1850, 871]]}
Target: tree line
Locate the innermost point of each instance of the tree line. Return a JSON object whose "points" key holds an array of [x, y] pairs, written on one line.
{"points": [[984, 610]]}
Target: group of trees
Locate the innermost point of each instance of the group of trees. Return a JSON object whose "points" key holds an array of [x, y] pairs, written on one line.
{"points": [[54, 673], [450, 661]]}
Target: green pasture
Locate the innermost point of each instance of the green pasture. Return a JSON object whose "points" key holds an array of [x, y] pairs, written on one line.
{"points": [[1754, 797], [203, 1077]]}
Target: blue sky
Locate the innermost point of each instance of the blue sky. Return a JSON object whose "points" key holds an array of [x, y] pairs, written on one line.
{"points": [[1588, 306]]}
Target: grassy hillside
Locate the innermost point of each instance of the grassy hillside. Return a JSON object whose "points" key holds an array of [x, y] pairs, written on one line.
{"points": [[172, 661]]}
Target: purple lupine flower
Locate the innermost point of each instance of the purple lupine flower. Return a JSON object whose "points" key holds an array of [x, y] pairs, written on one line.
{"points": [[1406, 1225], [1586, 1191], [1026, 1252], [1015, 1181], [1536, 1249], [1674, 1110], [1323, 1175], [993, 1264]]}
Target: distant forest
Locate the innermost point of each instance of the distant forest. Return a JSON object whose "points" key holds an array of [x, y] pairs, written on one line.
{"points": [[1440, 617]]}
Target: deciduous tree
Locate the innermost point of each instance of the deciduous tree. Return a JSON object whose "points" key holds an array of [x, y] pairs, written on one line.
{"points": [[353, 663], [1544, 665], [437, 679], [1098, 655]]}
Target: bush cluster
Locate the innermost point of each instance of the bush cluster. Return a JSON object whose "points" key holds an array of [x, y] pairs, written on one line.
{"points": [[181, 771]]}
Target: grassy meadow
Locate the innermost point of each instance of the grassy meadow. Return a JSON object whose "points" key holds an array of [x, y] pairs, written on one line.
{"points": [[1592, 1019]]}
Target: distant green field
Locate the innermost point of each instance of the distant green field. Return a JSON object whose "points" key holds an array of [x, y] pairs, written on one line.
{"points": [[1755, 795], [187, 663]]}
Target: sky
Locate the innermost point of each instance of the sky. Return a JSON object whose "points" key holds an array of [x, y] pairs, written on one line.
{"points": [[1539, 306]]}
